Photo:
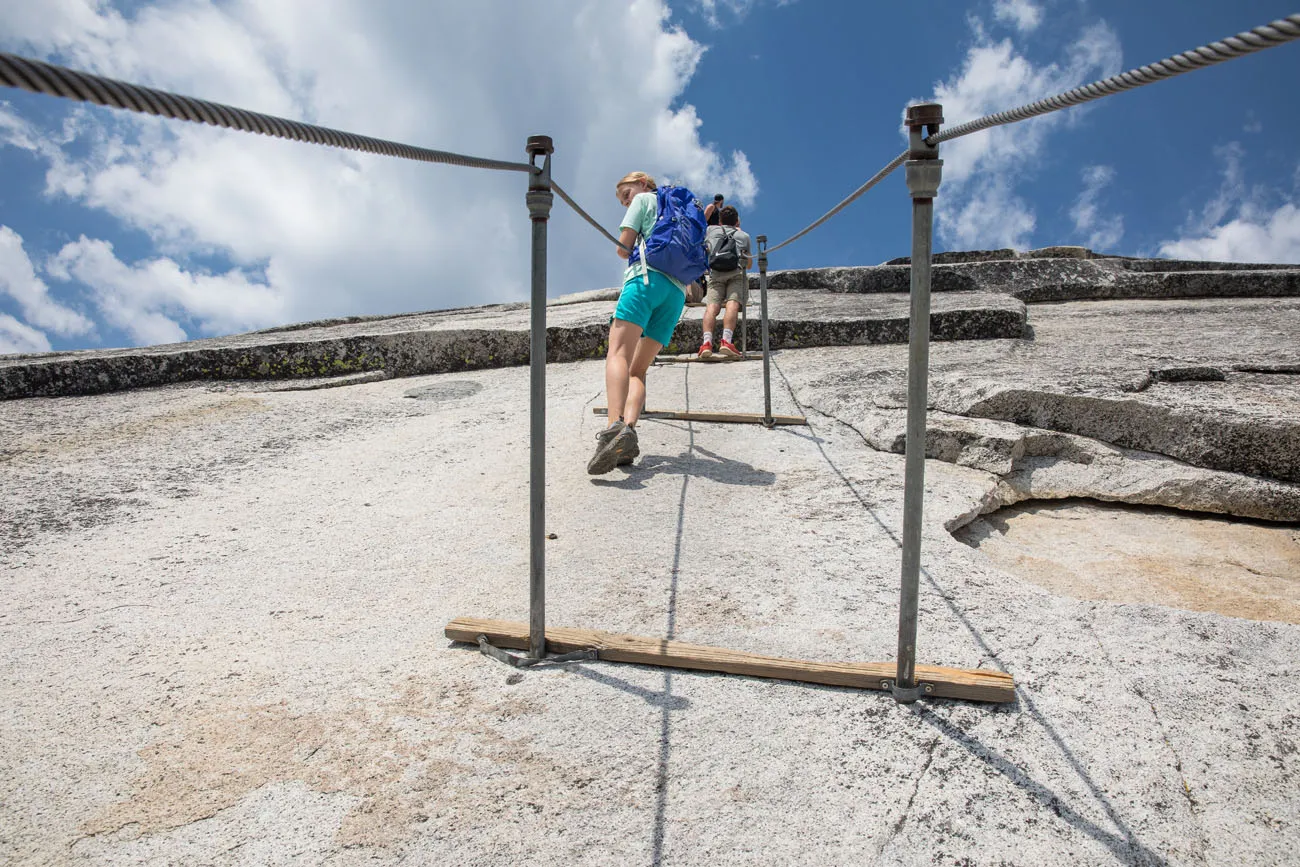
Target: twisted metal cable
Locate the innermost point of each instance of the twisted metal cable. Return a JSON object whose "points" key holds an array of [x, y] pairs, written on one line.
{"points": [[40, 77], [1266, 36], [590, 219], [877, 178]]}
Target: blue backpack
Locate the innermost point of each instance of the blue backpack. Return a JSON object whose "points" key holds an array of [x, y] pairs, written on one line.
{"points": [[676, 243]]}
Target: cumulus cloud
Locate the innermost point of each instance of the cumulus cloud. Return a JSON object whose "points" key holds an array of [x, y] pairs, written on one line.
{"points": [[989, 215], [150, 299], [17, 337], [1097, 231], [1024, 15], [1240, 223], [980, 170], [62, 177], [312, 232], [1272, 237], [18, 280]]}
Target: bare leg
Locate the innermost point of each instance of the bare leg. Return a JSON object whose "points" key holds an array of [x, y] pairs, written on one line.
{"points": [[711, 316], [646, 350], [729, 318], [623, 337]]}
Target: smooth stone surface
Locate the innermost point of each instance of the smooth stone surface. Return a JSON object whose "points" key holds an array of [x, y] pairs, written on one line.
{"points": [[221, 634], [489, 337], [1125, 554]]}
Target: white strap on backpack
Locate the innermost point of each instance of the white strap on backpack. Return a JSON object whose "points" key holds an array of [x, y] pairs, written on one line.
{"points": [[645, 266]]}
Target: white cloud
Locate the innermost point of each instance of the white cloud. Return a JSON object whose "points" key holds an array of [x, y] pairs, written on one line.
{"points": [[1240, 223], [981, 169], [18, 280], [991, 216], [61, 177], [318, 232], [1100, 233], [1233, 192], [16, 337], [1273, 237], [713, 11], [150, 299], [1024, 15], [716, 13]]}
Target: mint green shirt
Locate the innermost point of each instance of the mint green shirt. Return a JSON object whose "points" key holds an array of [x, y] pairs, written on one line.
{"points": [[640, 218]]}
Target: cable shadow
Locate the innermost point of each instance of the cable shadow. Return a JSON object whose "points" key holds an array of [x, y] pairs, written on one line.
{"points": [[1124, 846], [990, 654], [665, 722], [795, 432], [652, 697]]}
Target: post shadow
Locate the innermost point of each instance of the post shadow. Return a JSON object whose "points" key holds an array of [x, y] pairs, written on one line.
{"points": [[668, 705], [1131, 843]]}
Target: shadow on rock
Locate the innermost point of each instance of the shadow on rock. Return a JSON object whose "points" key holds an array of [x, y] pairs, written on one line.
{"points": [[665, 699], [698, 462]]}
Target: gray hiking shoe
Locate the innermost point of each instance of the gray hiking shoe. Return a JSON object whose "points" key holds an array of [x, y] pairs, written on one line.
{"points": [[606, 457], [630, 447]]}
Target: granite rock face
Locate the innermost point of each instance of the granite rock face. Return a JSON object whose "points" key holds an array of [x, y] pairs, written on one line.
{"points": [[1190, 364], [1066, 278], [979, 295], [484, 338], [224, 600], [1187, 403]]}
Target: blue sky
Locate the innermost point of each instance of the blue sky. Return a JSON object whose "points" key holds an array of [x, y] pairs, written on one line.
{"points": [[117, 229]]}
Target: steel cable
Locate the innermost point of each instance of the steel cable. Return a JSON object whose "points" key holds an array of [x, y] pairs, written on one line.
{"points": [[46, 78], [590, 219], [40, 77], [1269, 35], [877, 178]]}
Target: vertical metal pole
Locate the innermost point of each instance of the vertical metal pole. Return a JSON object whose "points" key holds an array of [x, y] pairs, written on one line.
{"points": [[762, 294], [539, 209], [923, 175]]}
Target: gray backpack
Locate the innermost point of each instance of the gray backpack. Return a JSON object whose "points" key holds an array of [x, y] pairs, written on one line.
{"points": [[725, 255]]}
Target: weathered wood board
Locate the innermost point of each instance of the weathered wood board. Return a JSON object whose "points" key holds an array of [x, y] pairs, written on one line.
{"points": [[726, 417], [979, 684]]}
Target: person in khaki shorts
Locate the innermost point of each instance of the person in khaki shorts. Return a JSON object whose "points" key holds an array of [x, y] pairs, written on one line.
{"points": [[729, 256]]}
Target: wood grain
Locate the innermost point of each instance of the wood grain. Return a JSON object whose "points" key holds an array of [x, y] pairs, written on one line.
{"points": [[726, 417], [979, 684]]}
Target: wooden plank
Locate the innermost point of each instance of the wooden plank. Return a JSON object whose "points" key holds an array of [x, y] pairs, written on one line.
{"points": [[714, 359], [726, 417], [977, 684]]}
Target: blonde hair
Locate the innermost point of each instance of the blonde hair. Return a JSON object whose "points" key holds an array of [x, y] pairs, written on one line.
{"points": [[636, 178]]}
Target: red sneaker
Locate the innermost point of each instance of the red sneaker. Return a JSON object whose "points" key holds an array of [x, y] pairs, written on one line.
{"points": [[726, 350], [706, 349]]}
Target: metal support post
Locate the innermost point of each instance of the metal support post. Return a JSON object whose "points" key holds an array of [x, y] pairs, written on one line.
{"points": [[539, 209], [924, 169], [762, 295]]}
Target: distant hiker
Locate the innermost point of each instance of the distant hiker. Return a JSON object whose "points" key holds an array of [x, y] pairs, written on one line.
{"points": [[712, 209], [696, 291], [649, 305], [729, 256]]}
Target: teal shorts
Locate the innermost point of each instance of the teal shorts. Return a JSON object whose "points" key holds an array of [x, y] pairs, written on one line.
{"points": [[656, 308]]}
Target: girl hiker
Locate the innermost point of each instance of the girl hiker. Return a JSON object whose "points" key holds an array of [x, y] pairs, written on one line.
{"points": [[648, 309]]}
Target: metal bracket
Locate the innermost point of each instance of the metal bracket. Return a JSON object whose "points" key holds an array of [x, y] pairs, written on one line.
{"points": [[923, 177], [515, 661], [906, 694]]}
